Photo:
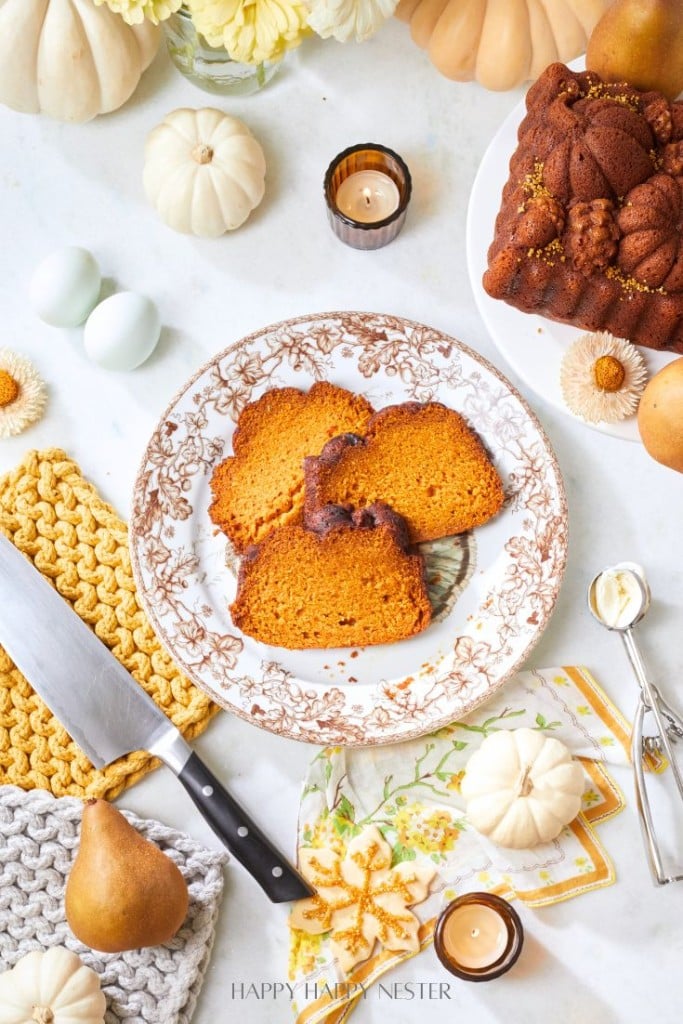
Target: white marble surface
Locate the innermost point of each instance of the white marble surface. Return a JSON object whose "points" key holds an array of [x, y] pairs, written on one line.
{"points": [[611, 957]]}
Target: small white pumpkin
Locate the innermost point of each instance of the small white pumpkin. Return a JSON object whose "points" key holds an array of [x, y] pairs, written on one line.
{"points": [[204, 171], [53, 987], [522, 788], [70, 59]]}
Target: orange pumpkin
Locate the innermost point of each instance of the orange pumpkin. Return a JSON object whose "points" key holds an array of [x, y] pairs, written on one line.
{"points": [[500, 43]]}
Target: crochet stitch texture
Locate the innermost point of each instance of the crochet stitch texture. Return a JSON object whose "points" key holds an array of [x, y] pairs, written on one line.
{"points": [[77, 541]]}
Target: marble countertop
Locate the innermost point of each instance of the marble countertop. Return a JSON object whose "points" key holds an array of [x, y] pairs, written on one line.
{"points": [[612, 956]]}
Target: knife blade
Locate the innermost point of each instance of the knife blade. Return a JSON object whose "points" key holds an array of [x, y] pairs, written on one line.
{"points": [[108, 714]]}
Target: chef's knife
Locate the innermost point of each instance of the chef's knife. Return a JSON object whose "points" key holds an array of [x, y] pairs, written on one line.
{"points": [[108, 714]]}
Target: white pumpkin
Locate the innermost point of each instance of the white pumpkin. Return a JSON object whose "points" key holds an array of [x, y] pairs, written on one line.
{"points": [[70, 59], [204, 171], [53, 987], [522, 788]]}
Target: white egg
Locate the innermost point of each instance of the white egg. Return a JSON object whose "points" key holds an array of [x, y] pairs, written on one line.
{"points": [[122, 331], [65, 287]]}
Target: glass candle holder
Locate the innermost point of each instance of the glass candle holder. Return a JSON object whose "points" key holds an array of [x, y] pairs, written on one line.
{"points": [[211, 67], [367, 191], [478, 936]]}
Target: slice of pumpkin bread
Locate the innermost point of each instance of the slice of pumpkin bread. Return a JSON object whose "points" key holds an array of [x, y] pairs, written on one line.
{"points": [[262, 484], [342, 580], [421, 459]]}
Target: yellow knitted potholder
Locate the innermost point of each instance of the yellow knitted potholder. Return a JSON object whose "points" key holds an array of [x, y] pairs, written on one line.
{"points": [[75, 539]]}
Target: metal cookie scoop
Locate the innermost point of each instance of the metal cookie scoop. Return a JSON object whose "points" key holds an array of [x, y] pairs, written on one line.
{"points": [[619, 598]]}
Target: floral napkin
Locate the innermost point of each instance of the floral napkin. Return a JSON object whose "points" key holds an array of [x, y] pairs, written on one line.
{"points": [[411, 792]]}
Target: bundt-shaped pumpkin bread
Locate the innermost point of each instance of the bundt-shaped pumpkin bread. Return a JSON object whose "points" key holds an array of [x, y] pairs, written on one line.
{"points": [[590, 227], [342, 580], [262, 484], [423, 460]]}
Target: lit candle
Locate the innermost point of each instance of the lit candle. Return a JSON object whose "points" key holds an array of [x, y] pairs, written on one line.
{"points": [[478, 936], [367, 190], [367, 196]]}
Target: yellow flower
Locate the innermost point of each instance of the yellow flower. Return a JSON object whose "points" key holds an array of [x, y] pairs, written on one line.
{"points": [[303, 951], [583, 709], [325, 836], [428, 833], [22, 394], [252, 31], [455, 781], [135, 11]]}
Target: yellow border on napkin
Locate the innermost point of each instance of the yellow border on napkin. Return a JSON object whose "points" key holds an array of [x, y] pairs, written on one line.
{"points": [[599, 877]]}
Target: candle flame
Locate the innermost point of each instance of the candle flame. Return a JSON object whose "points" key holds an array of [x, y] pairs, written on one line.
{"points": [[367, 195]]}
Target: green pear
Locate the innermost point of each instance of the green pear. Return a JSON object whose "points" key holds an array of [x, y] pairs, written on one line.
{"points": [[640, 42], [123, 892]]}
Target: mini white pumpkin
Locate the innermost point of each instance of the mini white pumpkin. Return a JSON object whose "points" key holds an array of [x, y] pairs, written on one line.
{"points": [[522, 788], [53, 987], [70, 59], [204, 171]]}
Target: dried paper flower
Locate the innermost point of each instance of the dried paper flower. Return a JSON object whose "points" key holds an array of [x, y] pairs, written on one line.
{"points": [[349, 19], [22, 394], [602, 377], [360, 898], [251, 31], [134, 12]]}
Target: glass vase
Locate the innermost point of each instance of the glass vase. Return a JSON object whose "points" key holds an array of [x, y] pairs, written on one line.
{"points": [[211, 67]]}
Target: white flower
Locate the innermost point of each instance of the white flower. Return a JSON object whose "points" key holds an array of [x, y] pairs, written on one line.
{"points": [[349, 19], [602, 377], [22, 394]]}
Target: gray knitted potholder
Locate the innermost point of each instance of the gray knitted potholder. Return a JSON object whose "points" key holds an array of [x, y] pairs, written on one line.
{"points": [[38, 844]]}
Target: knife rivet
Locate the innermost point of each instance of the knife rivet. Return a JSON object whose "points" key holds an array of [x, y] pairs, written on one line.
{"points": [[277, 872], [242, 831], [207, 790]]}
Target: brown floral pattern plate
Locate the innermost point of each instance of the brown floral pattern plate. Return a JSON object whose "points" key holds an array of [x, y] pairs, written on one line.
{"points": [[369, 695]]}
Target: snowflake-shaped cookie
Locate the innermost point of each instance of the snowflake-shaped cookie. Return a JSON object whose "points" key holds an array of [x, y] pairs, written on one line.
{"points": [[361, 898]]}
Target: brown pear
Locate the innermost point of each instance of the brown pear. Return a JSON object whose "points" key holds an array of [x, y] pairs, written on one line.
{"points": [[640, 42], [122, 891]]}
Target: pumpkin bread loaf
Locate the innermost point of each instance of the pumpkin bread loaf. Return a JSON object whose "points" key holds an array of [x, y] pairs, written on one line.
{"points": [[421, 460], [262, 485], [342, 579], [590, 229]]}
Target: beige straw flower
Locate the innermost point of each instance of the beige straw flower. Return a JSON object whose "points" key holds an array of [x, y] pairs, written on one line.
{"points": [[22, 394], [602, 377]]}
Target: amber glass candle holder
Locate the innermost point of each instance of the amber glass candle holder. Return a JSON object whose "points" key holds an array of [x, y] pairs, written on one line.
{"points": [[478, 936], [367, 191]]}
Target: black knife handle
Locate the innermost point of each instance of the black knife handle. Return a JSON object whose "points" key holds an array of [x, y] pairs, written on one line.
{"points": [[245, 840]]}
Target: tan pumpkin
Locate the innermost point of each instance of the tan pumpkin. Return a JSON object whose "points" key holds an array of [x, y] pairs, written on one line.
{"points": [[500, 43], [70, 59]]}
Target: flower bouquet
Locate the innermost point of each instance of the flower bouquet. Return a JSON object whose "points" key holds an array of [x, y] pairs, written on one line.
{"points": [[256, 31]]}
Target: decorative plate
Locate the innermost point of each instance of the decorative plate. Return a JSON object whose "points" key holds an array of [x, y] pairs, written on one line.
{"points": [[497, 587], [532, 345]]}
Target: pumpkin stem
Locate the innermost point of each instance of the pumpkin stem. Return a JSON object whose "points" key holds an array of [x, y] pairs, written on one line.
{"points": [[42, 1015], [202, 153], [525, 784]]}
